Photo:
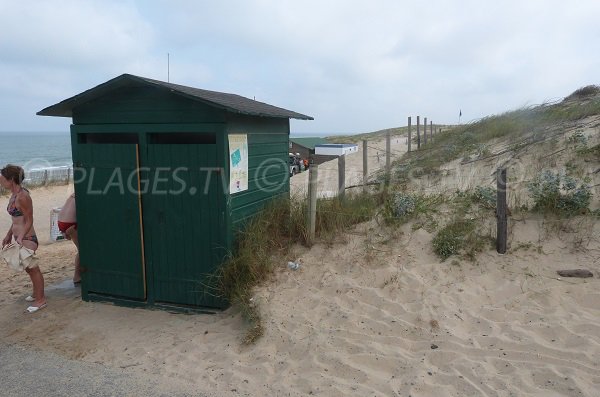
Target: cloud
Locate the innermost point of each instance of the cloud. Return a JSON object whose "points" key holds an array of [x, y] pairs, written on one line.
{"points": [[72, 34], [355, 66]]}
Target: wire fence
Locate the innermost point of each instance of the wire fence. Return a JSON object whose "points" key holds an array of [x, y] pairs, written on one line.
{"points": [[467, 174]]}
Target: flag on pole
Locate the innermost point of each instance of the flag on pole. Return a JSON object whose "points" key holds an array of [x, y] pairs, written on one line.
{"points": [[460, 113]]}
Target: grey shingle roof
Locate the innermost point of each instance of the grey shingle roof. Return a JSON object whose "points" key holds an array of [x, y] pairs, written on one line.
{"points": [[309, 142], [230, 102]]}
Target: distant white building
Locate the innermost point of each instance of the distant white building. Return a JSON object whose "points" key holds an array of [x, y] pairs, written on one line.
{"points": [[336, 149]]}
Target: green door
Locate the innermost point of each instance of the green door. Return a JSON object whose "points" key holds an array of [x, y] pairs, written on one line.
{"points": [[108, 215], [183, 222]]}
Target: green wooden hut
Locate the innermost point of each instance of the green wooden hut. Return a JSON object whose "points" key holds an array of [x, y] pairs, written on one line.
{"points": [[164, 177]]}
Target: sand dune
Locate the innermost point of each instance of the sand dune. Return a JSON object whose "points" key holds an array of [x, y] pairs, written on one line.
{"points": [[374, 314]]}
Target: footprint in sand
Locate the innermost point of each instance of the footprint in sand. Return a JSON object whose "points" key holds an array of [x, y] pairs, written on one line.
{"points": [[326, 279]]}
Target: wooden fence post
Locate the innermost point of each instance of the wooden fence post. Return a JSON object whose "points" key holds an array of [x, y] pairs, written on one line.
{"points": [[409, 134], [418, 133], [388, 152], [431, 131], [424, 130], [502, 230], [311, 214], [365, 165], [341, 176]]}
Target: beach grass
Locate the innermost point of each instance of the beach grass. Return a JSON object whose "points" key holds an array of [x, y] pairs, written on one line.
{"points": [[456, 220], [522, 127], [266, 241]]}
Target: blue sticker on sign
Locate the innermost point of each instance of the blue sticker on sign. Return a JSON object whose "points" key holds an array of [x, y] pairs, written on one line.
{"points": [[236, 157]]}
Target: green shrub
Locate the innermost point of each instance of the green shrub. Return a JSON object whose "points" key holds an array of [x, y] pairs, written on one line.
{"points": [[485, 196], [583, 92], [578, 139], [403, 205], [451, 239], [559, 193], [590, 154]]}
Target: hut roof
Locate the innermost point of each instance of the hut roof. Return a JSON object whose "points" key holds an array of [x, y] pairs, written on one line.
{"points": [[229, 102]]}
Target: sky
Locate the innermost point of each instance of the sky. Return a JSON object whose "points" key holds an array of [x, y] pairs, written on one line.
{"points": [[355, 66]]}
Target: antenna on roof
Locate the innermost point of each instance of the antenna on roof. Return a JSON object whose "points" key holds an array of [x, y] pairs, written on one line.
{"points": [[168, 69]]}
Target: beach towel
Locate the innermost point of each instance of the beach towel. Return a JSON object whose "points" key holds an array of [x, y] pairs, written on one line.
{"points": [[17, 257]]}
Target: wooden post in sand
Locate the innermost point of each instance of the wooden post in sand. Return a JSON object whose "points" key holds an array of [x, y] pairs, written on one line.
{"points": [[431, 131], [341, 176], [365, 165], [424, 130], [418, 133], [311, 214], [388, 152], [502, 230], [409, 133]]}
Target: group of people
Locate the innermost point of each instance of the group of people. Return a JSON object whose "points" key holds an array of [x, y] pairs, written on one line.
{"points": [[22, 231]]}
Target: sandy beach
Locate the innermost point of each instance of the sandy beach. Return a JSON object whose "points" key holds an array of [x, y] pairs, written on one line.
{"points": [[375, 313]]}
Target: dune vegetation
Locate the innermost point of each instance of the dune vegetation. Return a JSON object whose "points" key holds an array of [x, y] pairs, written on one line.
{"points": [[447, 187]]}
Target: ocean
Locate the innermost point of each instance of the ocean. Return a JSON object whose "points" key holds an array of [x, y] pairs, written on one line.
{"points": [[35, 150], [46, 157], [50, 150]]}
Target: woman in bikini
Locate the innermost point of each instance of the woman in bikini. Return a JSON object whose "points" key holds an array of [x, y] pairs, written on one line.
{"points": [[20, 208]]}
